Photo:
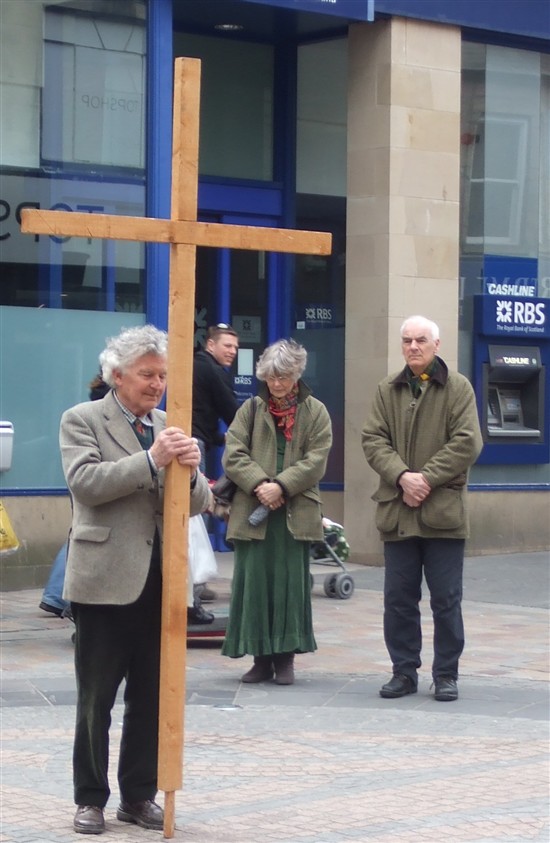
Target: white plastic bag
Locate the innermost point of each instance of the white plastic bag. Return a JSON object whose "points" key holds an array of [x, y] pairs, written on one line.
{"points": [[202, 562]]}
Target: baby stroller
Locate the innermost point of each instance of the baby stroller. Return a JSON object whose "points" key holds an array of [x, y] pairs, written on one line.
{"points": [[333, 551]]}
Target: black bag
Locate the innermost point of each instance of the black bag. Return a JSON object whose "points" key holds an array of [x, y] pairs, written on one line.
{"points": [[224, 489]]}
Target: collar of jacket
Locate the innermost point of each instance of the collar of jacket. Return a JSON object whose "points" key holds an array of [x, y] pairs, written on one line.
{"points": [[303, 391], [205, 355], [440, 375]]}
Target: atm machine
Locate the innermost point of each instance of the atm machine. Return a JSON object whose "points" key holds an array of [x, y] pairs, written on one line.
{"points": [[514, 384], [511, 371]]}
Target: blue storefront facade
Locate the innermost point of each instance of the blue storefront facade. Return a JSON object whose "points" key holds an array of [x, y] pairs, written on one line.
{"points": [[86, 97]]}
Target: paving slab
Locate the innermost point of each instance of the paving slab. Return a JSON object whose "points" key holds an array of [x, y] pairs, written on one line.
{"points": [[326, 760]]}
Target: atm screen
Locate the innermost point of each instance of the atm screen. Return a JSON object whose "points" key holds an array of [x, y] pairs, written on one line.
{"points": [[511, 403]]}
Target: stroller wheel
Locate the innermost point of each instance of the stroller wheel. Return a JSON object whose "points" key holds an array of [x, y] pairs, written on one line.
{"points": [[330, 585], [339, 585], [344, 586]]}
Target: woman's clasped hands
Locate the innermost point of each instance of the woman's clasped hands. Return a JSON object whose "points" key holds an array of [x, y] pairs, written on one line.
{"points": [[270, 494]]}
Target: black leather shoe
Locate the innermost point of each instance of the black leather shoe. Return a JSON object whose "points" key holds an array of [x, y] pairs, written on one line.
{"points": [[146, 814], [446, 689], [89, 820], [398, 686], [197, 615], [52, 610]]}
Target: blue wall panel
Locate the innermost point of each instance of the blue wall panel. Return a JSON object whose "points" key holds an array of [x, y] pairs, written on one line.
{"points": [[519, 17], [528, 18], [353, 9]]}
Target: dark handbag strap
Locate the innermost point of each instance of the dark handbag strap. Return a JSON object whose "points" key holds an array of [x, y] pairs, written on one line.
{"points": [[253, 417]]}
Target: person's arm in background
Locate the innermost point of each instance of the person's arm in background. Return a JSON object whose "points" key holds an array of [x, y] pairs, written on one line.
{"points": [[223, 398]]}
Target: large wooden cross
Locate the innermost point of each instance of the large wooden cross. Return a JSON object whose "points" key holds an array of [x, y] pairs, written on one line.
{"points": [[184, 233]]}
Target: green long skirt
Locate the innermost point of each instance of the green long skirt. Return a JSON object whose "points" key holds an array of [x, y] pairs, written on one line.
{"points": [[270, 610]]}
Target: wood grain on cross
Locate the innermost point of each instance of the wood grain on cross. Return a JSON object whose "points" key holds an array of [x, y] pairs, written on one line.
{"points": [[184, 233]]}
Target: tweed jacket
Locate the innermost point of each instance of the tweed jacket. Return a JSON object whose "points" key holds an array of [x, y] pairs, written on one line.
{"points": [[117, 504], [249, 460], [437, 434]]}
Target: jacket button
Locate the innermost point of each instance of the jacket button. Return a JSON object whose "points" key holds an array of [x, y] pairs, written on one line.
{"points": [[149, 541]]}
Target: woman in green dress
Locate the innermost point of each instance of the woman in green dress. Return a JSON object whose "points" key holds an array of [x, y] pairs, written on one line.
{"points": [[276, 452]]}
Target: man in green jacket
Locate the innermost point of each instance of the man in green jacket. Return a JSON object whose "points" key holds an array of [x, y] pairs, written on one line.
{"points": [[421, 437]]}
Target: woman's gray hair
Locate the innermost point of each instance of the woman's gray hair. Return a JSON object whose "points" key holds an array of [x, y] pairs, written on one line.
{"points": [[131, 344], [284, 358]]}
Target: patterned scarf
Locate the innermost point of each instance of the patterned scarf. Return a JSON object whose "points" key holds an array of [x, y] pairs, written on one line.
{"points": [[284, 409], [415, 381]]}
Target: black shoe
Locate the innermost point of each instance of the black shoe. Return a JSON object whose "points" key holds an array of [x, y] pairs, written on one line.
{"points": [[398, 686], [197, 615], [146, 814], [53, 610], [89, 820], [446, 689]]}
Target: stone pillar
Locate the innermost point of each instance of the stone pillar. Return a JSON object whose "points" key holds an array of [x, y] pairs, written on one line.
{"points": [[402, 221]]}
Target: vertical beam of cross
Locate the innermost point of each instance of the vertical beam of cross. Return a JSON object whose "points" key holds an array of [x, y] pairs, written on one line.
{"points": [[181, 317]]}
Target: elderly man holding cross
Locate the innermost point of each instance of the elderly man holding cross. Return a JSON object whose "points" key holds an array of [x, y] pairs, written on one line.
{"points": [[114, 453], [184, 233]]}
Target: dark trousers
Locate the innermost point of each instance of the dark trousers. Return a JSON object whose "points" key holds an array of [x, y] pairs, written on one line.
{"points": [[442, 562], [113, 643]]}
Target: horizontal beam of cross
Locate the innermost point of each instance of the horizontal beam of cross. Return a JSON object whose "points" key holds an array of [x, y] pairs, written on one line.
{"points": [[146, 229]]}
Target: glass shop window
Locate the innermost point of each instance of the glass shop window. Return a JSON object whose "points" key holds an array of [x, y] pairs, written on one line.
{"points": [[75, 141]]}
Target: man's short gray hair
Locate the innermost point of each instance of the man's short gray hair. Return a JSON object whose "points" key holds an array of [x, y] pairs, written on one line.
{"points": [[284, 358], [131, 344], [431, 326]]}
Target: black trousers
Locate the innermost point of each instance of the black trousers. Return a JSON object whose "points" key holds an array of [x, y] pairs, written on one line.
{"points": [[113, 643], [442, 562]]}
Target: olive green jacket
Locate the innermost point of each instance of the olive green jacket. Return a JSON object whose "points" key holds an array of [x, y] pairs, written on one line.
{"points": [[247, 461], [437, 434]]}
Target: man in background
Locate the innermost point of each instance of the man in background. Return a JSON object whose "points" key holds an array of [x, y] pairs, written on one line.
{"points": [[213, 400], [421, 437], [213, 395]]}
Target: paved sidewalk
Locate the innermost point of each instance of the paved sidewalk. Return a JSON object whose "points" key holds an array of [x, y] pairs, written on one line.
{"points": [[326, 760]]}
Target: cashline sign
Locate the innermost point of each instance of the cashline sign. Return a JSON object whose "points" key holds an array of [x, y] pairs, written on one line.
{"points": [[515, 317]]}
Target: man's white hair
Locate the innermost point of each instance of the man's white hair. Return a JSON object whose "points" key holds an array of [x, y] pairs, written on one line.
{"points": [[431, 326], [131, 344]]}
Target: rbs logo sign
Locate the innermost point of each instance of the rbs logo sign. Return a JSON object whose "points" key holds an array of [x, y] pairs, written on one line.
{"points": [[516, 317], [520, 312]]}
